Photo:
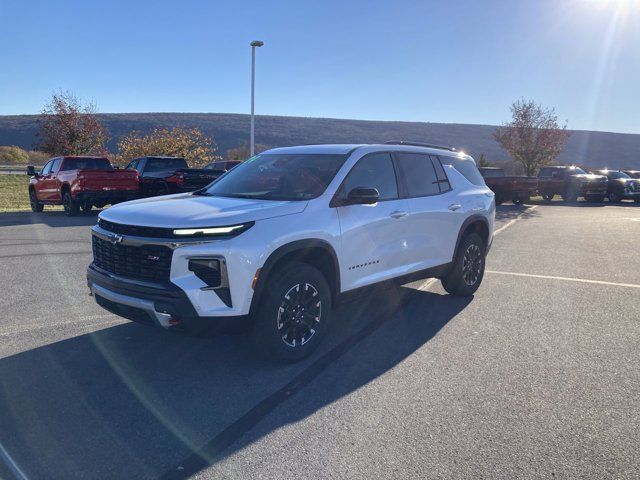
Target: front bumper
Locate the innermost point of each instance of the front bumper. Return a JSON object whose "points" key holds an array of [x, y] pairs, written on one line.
{"points": [[592, 190], [163, 304]]}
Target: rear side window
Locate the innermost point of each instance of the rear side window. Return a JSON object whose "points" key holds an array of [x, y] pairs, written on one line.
{"points": [[466, 167], [373, 171], [418, 174], [546, 172], [443, 181]]}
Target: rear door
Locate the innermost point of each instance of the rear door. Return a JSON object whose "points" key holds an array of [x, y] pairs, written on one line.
{"points": [[436, 214], [373, 236]]}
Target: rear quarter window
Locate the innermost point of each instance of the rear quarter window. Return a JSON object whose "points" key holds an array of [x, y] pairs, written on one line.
{"points": [[467, 168]]}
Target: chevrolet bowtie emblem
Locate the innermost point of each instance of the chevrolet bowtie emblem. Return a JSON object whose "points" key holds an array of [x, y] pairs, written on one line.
{"points": [[114, 239]]}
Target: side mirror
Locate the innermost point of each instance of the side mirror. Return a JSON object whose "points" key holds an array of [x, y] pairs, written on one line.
{"points": [[363, 196], [32, 171]]}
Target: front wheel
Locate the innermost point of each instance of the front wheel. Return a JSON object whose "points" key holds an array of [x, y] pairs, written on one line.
{"points": [[293, 313], [36, 206], [547, 197], [466, 273], [86, 207], [615, 197], [71, 208]]}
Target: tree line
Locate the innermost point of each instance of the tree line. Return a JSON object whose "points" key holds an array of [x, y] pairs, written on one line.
{"points": [[68, 126]]}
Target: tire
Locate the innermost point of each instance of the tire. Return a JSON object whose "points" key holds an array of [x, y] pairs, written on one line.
{"points": [[467, 271], [36, 206], [547, 197], [615, 197], [518, 201], [71, 208], [86, 207], [570, 195], [282, 330], [595, 198], [637, 200]]}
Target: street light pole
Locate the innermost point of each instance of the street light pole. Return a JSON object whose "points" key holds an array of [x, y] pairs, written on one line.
{"points": [[254, 44]]}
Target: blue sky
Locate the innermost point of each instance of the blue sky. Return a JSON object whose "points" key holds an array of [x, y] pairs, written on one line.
{"points": [[441, 61]]}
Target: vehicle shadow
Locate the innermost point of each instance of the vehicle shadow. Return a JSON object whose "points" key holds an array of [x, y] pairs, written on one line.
{"points": [[53, 218], [509, 212], [134, 402]]}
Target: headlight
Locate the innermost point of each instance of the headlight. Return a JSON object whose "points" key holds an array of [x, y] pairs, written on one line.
{"points": [[213, 231]]}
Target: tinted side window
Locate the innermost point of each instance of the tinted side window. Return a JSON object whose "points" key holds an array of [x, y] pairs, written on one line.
{"points": [[466, 167], [443, 181], [544, 172], [47, 168], [373, 171], [418, 174]]}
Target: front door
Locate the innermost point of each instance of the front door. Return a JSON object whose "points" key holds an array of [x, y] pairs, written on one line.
{"points": [[374, 246]]}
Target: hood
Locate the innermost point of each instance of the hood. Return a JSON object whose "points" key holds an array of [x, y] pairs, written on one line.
{"points": [[187, 210], [589, 177]]}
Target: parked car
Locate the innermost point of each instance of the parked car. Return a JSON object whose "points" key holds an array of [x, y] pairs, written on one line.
{"points": [[571, 183], [80, 183], [165, 175], [518, 189], [620, 186], [278, 240], [632, 173], [223, 165]]}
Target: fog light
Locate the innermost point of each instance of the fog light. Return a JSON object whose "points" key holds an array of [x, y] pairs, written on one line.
{"points": [[207, 270]]}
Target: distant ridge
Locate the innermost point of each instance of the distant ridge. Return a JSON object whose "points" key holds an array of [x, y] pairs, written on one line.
{"points": [[229, 130]]}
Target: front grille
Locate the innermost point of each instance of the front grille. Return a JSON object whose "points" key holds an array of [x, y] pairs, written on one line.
{"points": [[136, 231], [146, 262]]}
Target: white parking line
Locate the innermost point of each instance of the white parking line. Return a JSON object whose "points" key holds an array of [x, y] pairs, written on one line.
{"points": [[566, 279], [511, 222]]}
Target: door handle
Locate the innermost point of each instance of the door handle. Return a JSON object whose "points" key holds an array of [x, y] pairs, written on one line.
{"points": [[398, 214], [455, 206]]}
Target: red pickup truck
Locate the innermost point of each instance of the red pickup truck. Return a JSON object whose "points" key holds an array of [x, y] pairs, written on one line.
{"points": [[80, 182], [516, 189]]}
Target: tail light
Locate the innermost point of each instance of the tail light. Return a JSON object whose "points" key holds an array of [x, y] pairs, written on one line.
{"points": [[178, 178]]}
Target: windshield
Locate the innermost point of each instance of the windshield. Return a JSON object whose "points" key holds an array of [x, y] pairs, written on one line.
{"points": [[279, 177], [575, 171], [160, 164]]}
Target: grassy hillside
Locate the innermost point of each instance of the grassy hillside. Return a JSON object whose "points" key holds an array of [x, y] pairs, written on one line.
{"points": [[230, 130]]}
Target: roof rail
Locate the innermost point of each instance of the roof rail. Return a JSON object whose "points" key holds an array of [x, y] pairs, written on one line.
{"points": [[418, 144]]}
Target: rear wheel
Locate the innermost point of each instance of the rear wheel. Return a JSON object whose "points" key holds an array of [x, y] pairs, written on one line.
{"points": [[547, 197], [36, 206], [466, 273], [86, 207], [293, 313], [71, 208], [521, 200]]}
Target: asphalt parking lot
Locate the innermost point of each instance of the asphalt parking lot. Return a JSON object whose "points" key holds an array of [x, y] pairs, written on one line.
{"points": [[536, 376]]}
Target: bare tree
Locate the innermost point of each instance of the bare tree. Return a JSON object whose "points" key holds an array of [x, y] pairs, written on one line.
{"points": [[533, 137], [69, 127]]}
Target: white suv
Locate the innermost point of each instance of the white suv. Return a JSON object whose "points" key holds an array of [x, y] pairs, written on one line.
{"points": [[279, 238]]}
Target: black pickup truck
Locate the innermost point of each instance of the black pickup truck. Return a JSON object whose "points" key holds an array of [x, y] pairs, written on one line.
{"points": [[165, 175], [571, 182]]}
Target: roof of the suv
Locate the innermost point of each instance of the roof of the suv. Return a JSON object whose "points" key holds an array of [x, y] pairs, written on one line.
{"points": [[344, 149]]}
